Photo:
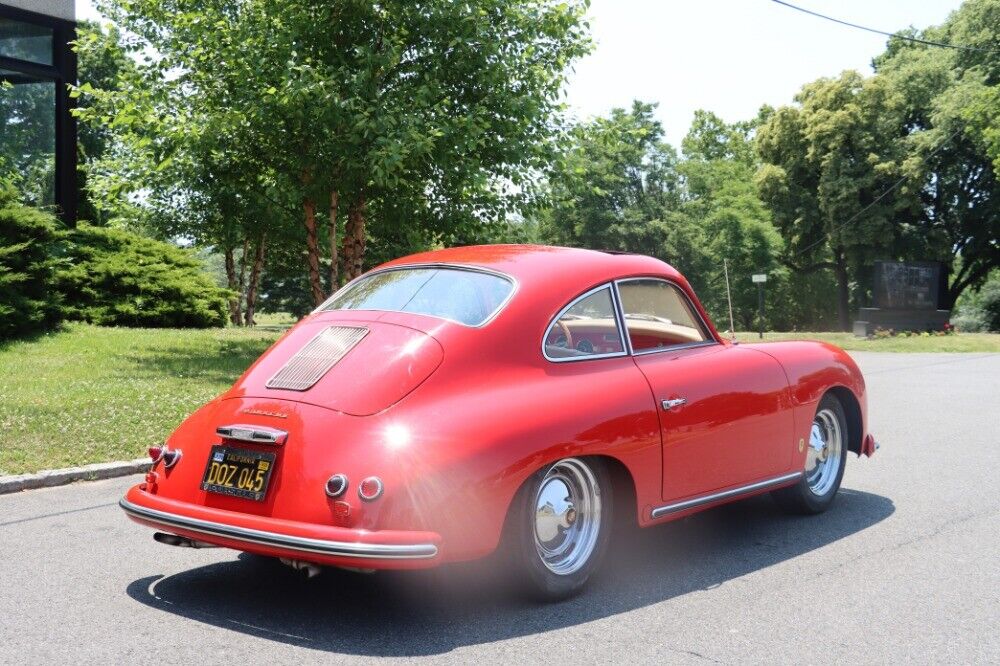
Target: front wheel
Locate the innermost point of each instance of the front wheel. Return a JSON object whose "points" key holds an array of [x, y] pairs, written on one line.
{"points": [[826, 457], [559, 527]]}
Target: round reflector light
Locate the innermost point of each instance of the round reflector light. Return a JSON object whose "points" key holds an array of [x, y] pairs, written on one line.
{"points": [[370, 489], [336, 485]]}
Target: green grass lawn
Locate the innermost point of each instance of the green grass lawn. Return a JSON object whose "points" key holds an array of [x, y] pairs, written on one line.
{"points": [[959, 342], [89, 394]]}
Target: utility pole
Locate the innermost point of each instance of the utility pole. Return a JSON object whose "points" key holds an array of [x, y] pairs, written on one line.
{"points": [[729, 299], [759, 279]]}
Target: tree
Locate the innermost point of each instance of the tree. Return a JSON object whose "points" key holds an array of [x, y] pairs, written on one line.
{"points": [[956, 219], [737, 232], [827, 160], [28, 300], [896, 166], [444, 111], [102, 63], [621, 187], [712, 139], [614, 184]]}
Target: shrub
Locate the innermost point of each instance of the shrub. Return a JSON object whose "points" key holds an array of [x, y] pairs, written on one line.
{"points": [[989, 304], [112, 277], [980, 311], [27, 300], [969, 321]]}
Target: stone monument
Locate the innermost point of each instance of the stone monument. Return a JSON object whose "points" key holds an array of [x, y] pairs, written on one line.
{"points": [[906, 296]]}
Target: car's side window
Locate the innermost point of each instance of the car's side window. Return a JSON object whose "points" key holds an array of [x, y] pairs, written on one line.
{"points": [[588, 328], [658, 315]]}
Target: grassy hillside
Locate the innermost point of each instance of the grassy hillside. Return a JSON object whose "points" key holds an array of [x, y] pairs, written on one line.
{"points": [[90, 394]]}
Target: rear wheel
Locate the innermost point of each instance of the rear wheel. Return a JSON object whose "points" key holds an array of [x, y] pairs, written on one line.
{"points": [[826, 457], [559, 526]]}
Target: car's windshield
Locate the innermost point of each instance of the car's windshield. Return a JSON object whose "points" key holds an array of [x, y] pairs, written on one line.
{"points": [[469, 297]]}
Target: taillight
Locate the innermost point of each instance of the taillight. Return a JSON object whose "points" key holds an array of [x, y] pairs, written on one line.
{"points": [[167, 455], [370, 489], [170, 457], [336, 485]]}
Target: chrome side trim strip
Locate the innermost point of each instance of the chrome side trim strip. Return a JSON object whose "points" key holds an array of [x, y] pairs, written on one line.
{"points": [[673, 348], [666, 509], [301, 544]]}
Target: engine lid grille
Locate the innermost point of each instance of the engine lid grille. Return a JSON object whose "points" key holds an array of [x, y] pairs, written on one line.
{"points": [[315, 359]]}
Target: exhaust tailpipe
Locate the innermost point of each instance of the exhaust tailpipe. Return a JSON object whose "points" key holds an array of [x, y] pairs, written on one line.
{"points": [[182, 542], [312, 570]]}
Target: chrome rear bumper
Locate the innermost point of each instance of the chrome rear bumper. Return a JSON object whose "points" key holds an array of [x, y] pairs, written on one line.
{"points": [[410, 551]]}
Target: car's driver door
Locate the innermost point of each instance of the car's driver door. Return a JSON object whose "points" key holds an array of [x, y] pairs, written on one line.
{"points": [[723, 409]]}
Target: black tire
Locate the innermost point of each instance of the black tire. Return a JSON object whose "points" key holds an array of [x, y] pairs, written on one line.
{"points": [[802, 498], [526, 564]]}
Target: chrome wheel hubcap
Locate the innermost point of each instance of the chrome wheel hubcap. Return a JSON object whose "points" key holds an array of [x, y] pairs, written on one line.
{"points": [[567, 516], [823, 455]]}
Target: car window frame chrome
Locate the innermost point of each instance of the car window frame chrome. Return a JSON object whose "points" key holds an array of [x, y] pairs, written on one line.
{"points": [[515, 286], [616, 310], [709, 341]]}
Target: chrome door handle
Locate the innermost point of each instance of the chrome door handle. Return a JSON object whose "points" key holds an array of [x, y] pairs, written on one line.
{"points": [[676, 402]]}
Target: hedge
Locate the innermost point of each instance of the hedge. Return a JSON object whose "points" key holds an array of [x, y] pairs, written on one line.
{"points": [[112, 277]]}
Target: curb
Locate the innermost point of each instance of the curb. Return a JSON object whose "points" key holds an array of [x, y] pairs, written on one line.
{"points": [[59, 477]]}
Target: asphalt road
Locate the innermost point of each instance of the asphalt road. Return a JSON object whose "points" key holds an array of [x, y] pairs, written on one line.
{"points": [[904, 568]]}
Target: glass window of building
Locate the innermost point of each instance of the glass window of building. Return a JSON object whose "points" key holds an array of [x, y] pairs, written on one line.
{"points": [[28, 134], [24, 41], [37, 131]]}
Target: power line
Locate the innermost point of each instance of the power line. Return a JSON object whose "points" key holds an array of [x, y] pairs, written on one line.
{"points": [[915, 40], [861, 212]]}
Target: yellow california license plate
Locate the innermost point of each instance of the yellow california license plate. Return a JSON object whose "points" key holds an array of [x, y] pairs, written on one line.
{"points": [[238, 472]]}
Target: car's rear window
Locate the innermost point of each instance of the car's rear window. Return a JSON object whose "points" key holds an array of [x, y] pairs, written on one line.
{"points": [[467, 296]]}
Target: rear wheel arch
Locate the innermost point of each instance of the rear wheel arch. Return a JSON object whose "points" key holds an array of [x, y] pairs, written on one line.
{"points": [[623, 488]]}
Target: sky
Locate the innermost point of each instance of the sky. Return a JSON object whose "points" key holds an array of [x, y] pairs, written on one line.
{"points": [[727, 56]]}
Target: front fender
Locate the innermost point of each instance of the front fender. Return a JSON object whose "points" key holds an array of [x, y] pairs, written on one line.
{"points": [[814, 368]]}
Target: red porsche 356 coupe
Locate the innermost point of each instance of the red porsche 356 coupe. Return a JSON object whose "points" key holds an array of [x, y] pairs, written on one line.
{"points": [[449, 402]]}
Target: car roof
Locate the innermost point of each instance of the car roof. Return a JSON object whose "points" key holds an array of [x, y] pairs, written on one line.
{"points": [[548, 276], [546, 265]]}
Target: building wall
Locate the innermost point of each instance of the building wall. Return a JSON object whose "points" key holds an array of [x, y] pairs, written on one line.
{"points": [[63, 9]]}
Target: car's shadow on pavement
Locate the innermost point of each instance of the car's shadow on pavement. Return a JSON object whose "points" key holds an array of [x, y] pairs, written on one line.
{"points": [[435, 611]]}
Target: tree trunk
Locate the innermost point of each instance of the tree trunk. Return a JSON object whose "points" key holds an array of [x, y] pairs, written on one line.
{"points": [[334, 269], [843, 291], [258, 265], [242, 281], [354, 240], [234, 288], [964, 279], [312, 250]]}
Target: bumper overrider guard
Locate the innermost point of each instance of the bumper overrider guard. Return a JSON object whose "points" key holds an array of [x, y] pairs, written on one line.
{"points": [[285, 542]]}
